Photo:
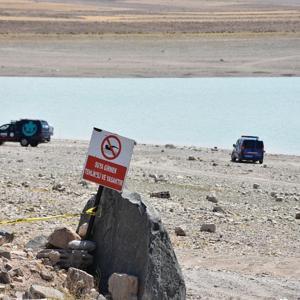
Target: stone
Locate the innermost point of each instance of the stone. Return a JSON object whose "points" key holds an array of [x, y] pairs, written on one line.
{"points": [[170, 146], [67, 258], [273, 194], [279, 199], [46, 275], [37, 242], [158, 178], [5, 237], [79, 282], [208, 227], [123, 286], [256, 186], [58, 187], [6, 254], [297, 216], [43, 292], [179, 231], [164, 195], [82, 230], [212, 198], [131, 239], [4, 277], [61, 237], [218, 209], [191, 158], [89, 246]]}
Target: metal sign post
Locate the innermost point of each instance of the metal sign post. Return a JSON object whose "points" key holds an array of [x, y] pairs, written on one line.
{"points": [[92, 218]]}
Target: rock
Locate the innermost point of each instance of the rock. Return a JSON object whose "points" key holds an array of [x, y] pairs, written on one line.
{"points": [[61, 237], [256, 186], [82, 230], [297, 216], [46, 275], [170, 146], [16, 272], [165, 195], [4, 277], [6, 254], [5, 237], [279, 199], [144, 250], [212, 198], [67, 258], [179, 231], [208, 227], [79, 282], [273, 194], [37, 242], [158, 178], [58, 187], [191, 158], [25, 184], [43, 292], [89, 246], [218, 209], [123, 286]]}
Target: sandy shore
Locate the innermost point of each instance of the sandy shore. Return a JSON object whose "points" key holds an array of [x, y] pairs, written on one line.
{"points": [[149, 38], [254, 253]]}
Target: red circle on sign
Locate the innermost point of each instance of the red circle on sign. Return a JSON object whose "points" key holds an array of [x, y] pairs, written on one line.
{"points": [[111, 147]]}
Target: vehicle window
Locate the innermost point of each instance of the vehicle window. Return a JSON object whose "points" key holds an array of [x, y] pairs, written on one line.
{"points": [[4, 127], [45, 125], [249, 144], [259, 144], [253, 144]]}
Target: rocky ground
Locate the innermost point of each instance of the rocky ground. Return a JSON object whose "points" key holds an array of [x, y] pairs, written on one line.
{"points": [[253, 253]]}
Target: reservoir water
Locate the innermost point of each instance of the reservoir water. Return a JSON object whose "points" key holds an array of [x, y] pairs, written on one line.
{"points": [[198, 111]]}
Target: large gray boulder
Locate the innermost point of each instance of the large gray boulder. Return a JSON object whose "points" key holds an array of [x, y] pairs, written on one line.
{"points": [[131, 239]]}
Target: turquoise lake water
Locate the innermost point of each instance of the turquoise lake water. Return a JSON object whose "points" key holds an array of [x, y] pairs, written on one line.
{"points": [[199, 111]]}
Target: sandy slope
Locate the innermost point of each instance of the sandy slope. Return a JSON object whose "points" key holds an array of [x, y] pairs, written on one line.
{"points": [[254, 253], [149, 38]]}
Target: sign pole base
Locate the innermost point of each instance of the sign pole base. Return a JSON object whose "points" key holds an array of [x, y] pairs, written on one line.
{"points": [[92, 218]]}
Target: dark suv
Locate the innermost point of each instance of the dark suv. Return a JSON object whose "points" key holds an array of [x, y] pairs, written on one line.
{"points": [[248, 148], [26, 132]]}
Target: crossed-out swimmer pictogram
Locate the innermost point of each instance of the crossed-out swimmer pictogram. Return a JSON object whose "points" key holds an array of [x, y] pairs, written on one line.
{"points": [[111, 147]]}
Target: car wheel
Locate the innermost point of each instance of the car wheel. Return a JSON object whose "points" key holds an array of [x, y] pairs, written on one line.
{"points": [[24, 142], [34, 144], [261, 161], [233, 158], [1, 143]]}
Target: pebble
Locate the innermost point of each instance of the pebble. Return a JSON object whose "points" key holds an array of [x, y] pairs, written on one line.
{"points": [[82, 245], [179, 231], [256, 186], [46, 276], [208, 227], [297, 217], [191, 158], [212, 198]]}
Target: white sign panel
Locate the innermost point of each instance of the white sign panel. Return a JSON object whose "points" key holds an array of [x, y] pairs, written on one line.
{"points": [[108, 159]]}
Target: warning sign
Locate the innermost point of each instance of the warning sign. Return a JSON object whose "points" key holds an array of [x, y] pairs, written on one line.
{"points": [[108, 159]]}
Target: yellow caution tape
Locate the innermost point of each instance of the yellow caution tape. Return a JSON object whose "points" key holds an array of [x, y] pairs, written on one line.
{"points": [[90, 212]]}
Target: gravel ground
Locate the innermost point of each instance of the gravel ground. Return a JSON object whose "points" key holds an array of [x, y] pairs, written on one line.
{"points": [[253, 254]]}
